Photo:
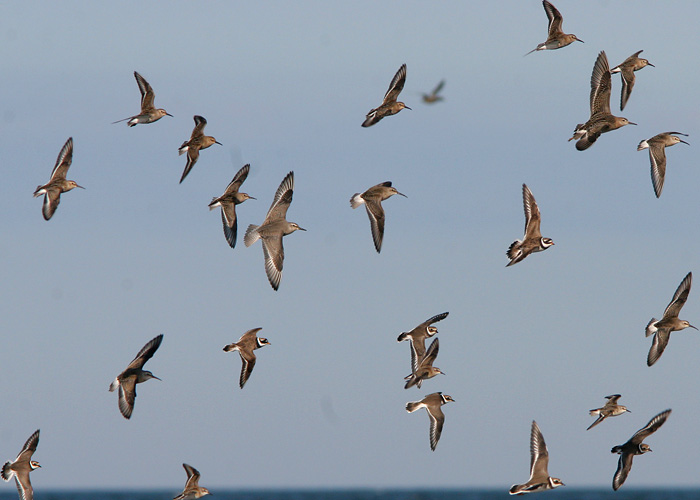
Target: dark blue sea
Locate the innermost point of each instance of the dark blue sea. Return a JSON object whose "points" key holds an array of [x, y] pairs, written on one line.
{"points": [[10, 493]]}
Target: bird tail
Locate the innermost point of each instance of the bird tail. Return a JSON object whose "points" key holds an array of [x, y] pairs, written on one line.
{"points": [[251, 235], [651, 327], [183, 149], [113, 386], [230, 347], [214, 203], [356, 200], [642, 145], [412, 406], [6, 471], [514, 253], [402, 337]]}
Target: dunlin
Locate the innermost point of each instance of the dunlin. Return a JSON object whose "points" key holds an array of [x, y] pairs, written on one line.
{"points": [[21, 468], [533, 240], [149, 113], [273, 228], [228, 202], [556, 38], [197, 141], [192, 488], [635, 446], [601, 119], [661, 329], [58, 183], [417, 338], [433, 97], [372, 199], [134, 374], [626, 69], [245, 347], [540, 479], [425, 369], [657, 156], [389, 106], [610, 409], [432, 403]]}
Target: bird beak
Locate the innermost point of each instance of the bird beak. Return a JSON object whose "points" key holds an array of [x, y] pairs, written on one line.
{"points": [[251, 198], [406, 107], [649, 64], [157, 378], [81, 187], [217, 142], [681, 140], [402, 194], [628, 411], [691, 326], [579, 40], [631, 123], [302, 229], [168, 114]]}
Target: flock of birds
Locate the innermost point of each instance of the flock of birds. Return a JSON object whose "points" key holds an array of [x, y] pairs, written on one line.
{"points": [[275, 227]]}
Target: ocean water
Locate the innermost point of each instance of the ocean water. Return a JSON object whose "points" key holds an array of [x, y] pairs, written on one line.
{"points": [[563, 493]]}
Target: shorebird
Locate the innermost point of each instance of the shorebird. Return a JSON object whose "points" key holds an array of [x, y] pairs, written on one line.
{"points": [[657, 156], [417, 337], [273, 228], [556, 38], [610, 409], [245, 347], [389, 106], [192, 488], [626, 69], [197, 141], [58, 183], [540, 479], [635, 446], [661, 329], [134, 374], [533, 240], [433, 97], [432, 403], [372, 199], [149, 114], [601, 119], [228, 202], [22, 466], [425, 369]]}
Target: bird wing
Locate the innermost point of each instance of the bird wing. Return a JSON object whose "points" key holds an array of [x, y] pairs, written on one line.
{"points": [[657, 157], [192, 157], [65, 158], [601, 85], [624, 465], [376, 220], [146, 353], [555, 19], [612, 399], [437, 419], [431, 353], [651, 427], [147, 94], [600, 418], [438, 88], [532, 214], [29, 448], [230, 222], [434, 319], [192, 477], [539, 458], [248, 358], [396, 85], [417, 351], [679, 298], [199, 123], [24, 485], [273, 252], [658, 346], [627, 74], [127, 395], [282, 200], [52, 198], [238, 179]]}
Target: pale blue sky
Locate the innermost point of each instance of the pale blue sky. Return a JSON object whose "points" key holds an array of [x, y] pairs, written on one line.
{"points": [[286, 87]]}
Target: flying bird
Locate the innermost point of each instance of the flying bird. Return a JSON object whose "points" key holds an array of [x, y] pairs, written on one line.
{"points": [[432, 403], [21, 468], [58, 183], [425, 369], [417, 338], [556, 38], [372, 200], [192, 488], [661, 329], [610, 409], [245, 347], [389, 106], [149, 113], [657, 156], [540, 479], [626, 69], [635, 446], [197, 142], [273, 228], [533, 240], [433, 97], [228, 202], [134, 374]]}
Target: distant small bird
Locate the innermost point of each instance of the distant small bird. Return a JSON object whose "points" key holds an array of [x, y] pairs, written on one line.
{"points": [[21, 468], [228, 202], [192, 488], [610, 409], [273, 228], [601, 120], [657, 156], [661, 329], [134, 374], [417, 338], [197, 142], [372, 199], [533, 240], [245, 347], [149, 113], [432, 403], [626, 69], [556, 38], [425, 369], [58, 183], [540, 479], [635, 446], [433, 97], [389, 106]]}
